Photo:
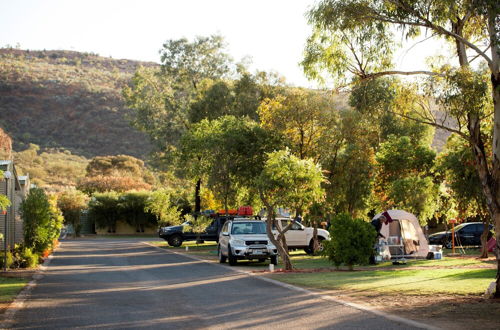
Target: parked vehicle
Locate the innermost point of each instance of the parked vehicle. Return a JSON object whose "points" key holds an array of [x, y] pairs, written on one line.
{"points": [[243, 238], [466, 234], [301, 237], [175, 235]]}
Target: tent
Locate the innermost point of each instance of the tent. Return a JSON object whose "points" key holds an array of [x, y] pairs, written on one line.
{"points": [[404, 235]]}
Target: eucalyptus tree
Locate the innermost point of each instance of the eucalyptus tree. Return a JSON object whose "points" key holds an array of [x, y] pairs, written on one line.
{"points": [[456, 165], [353, 40], [233, 151], [287, 180], [162, 98]]}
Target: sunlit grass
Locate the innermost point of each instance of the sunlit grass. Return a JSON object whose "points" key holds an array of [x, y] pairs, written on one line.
{"points": [[10, 287], [462, 281]]}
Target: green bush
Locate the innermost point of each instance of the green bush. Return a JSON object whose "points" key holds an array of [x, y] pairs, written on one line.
{"points": [[352, 241], [24, 257], [104, 210], [42, 221], [10, 259]]}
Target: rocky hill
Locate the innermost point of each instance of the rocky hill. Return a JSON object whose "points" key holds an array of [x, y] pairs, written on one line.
{"points": [[69, 100]]}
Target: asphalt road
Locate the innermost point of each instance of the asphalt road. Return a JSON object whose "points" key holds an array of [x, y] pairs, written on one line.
{"points": [[125, 284]]}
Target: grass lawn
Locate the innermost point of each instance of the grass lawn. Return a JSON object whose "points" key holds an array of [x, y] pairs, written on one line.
{"points": [[458, 276], [10, 287]]}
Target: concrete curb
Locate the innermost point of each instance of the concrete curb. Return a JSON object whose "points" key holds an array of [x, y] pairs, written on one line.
{"points": [[18, 303], [363, 308]]}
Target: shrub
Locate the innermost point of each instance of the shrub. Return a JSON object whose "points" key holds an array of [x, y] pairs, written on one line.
{"points": [[24, 257], [10, 259], [352, 241], [42, 220], [71, 204], [132, 210], [104, 210]]}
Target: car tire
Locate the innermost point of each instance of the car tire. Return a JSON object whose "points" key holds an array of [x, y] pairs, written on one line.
{"points": [[232, 259], [274, 260], [222, 258], [310, 249], [175, 241]]}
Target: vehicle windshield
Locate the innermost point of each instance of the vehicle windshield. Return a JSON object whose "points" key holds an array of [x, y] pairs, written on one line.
{"points": [[459, 227], [246, 228]]}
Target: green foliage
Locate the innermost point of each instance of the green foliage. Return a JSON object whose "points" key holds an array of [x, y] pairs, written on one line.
{"points": [[197, 224], [415, 194], [4, 200], [302, 117], [104, 209], [156, 111], [10, 260], [229, 152], [352, 241], [42, 220], [51, 169], [405, 177], [191, 62], [351, 181], [161, 204], [289, 181], [400, 156], [132, 209], [456, 164], [72, 203], [24, 257]]}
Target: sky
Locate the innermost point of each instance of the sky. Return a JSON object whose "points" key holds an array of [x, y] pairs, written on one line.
{"points": [[272, 32]]}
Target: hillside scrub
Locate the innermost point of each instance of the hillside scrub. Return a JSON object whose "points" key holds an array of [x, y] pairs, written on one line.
{"points": [[61, 99]]}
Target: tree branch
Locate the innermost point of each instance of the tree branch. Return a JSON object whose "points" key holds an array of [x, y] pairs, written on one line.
{"points": [[435, 124]]}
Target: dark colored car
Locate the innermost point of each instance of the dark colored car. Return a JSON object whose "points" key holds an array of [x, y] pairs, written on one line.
{"points": [[175, 235], [466, 234]]}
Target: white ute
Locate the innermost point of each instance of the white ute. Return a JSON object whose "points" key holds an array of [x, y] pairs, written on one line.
{"points": [[301, 237]]}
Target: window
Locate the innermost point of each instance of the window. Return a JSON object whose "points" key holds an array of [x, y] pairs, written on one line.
{"points": [[246, 228], [224, 228]]}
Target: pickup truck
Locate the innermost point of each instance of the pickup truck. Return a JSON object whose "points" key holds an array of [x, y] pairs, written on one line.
{"points": [[175, 235], [301, 237]]}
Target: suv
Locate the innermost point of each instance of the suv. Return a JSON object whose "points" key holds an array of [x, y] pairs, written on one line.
{"points": [[244, 238], [468, 233], [175, 235], [301, 237]]}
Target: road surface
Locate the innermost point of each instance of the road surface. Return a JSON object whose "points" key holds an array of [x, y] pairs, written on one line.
{"points": [[125, 284]]}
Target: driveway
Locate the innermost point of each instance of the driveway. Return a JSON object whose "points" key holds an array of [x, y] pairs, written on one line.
{"points": [[123, 283]]}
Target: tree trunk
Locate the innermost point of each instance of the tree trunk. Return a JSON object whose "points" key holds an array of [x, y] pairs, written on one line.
{"points": [[197, 198], [315, 236], [495, 83], [484, 240], [280, 242]]}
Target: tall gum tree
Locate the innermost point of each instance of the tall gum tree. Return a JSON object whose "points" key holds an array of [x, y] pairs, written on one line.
{"points": [[287, 181], [162, 98], [354, 39]]}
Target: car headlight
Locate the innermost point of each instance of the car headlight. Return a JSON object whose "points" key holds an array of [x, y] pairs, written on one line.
{"points": [[238, 242]]}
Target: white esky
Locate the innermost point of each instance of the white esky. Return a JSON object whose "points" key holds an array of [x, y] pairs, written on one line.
{"points": [[272, 32]]}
